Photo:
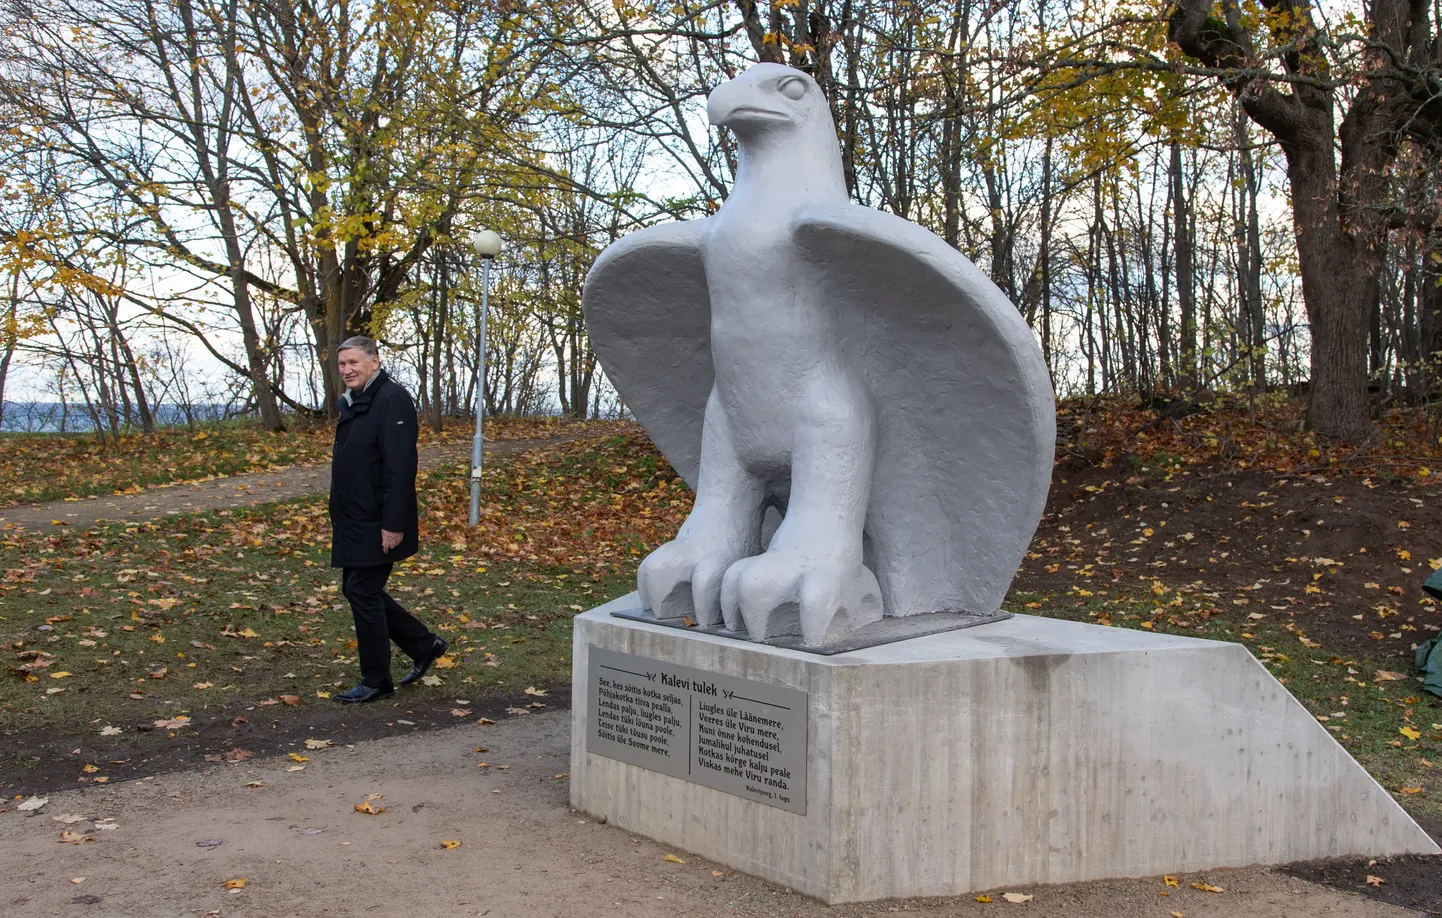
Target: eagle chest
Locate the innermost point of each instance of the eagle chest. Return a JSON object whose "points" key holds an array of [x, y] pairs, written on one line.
{"points": [[764, 303]]}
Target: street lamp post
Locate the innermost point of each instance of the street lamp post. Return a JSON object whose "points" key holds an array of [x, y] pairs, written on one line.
{"points": [[487, 244]]}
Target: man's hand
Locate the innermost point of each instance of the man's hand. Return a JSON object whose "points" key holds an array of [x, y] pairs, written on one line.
{"points": [[390, 539]]}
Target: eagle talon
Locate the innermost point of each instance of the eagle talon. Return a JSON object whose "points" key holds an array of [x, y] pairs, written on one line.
{"points": [[675, 576], [786, 592]]}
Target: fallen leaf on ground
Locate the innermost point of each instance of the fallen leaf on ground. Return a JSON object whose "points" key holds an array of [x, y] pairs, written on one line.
{"points": [[532, 690], [255, 784], [1411, 790], [368, 806], [33, 804], [450, 844], [1171, 881], [983, 898], [291, 700], [1412, 733], [317, 743], [1207, 887], [460, 712], [485, 721], [230, 755], [1374, 881], [1016, 897], [297, 757], [237, 883], [445, 662], [1385, 676], [69, 819], [75, 838], [430, 680], [173, 723], [674, 859], [110, 731], [77, 880]]}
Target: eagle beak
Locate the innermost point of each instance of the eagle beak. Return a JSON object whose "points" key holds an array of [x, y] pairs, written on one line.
{"points": [[730, 105]]}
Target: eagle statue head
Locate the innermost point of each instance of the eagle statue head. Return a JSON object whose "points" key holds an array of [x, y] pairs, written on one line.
{"points": [[783, 124]]}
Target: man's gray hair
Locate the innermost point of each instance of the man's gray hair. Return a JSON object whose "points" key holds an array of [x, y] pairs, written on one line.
{"points": [[360, 341]]}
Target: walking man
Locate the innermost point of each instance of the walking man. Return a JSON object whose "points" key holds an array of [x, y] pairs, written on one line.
{"points": [[374, 522]]}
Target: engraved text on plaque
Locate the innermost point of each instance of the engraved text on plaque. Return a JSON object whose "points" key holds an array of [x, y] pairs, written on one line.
{"points": [[736, 735]]}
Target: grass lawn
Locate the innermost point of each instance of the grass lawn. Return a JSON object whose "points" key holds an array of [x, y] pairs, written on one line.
{"points": [[40, 467], [162, 627], [130, 629]]}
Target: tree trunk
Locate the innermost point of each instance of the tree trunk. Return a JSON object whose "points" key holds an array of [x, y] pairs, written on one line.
{"points": [[1044, 255], [1429, 312], [438, 340], [1337, 286], [1249, 261], [9, 339], [1186, 276]]}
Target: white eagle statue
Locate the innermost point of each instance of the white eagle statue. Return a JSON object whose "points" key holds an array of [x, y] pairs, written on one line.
{"points": [[840, 366]]}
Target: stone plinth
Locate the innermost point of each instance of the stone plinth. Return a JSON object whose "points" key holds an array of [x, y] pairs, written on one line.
{"points": [[1027, 751]]}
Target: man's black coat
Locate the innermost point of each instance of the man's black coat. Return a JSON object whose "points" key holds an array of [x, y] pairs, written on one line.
{"points": [[373, 476]]}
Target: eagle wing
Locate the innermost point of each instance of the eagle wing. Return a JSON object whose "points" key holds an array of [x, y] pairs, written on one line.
{"points": [[648, 314], [967, 422]]}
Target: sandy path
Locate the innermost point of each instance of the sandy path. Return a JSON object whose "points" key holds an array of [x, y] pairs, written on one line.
{"points": [[306, 853], [222, 493]]}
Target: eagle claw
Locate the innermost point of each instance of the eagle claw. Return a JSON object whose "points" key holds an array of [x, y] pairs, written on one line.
{"points": [[682, 579], [789, 592]]}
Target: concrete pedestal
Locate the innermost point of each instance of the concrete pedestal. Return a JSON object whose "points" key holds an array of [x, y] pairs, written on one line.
{"points": [[1022, 752]]}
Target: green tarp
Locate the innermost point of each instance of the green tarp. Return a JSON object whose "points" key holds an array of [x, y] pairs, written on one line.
{"points": [[1429, 654], [1429, 660]]}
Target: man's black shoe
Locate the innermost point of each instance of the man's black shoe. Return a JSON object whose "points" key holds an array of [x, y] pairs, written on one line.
{"points": [[423, 664], [363, 693]]}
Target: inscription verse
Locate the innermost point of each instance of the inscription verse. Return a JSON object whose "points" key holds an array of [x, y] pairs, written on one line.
{"points": [[736, 735]]}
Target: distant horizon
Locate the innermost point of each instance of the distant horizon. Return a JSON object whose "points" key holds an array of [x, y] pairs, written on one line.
{"points": [[70, 417], [53, 417]]}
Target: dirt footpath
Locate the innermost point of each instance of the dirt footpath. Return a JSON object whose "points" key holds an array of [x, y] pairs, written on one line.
{"points": [[227, 492], [294, 835]]}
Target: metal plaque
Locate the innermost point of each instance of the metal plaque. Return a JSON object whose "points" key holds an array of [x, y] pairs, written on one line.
{"points": [[735, 735]]}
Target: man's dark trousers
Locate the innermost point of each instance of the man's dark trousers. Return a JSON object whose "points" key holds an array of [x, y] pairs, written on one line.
{"points": [[379, 619]]}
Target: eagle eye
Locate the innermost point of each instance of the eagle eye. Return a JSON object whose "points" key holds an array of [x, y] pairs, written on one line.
{"points": [[792, 88]]}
